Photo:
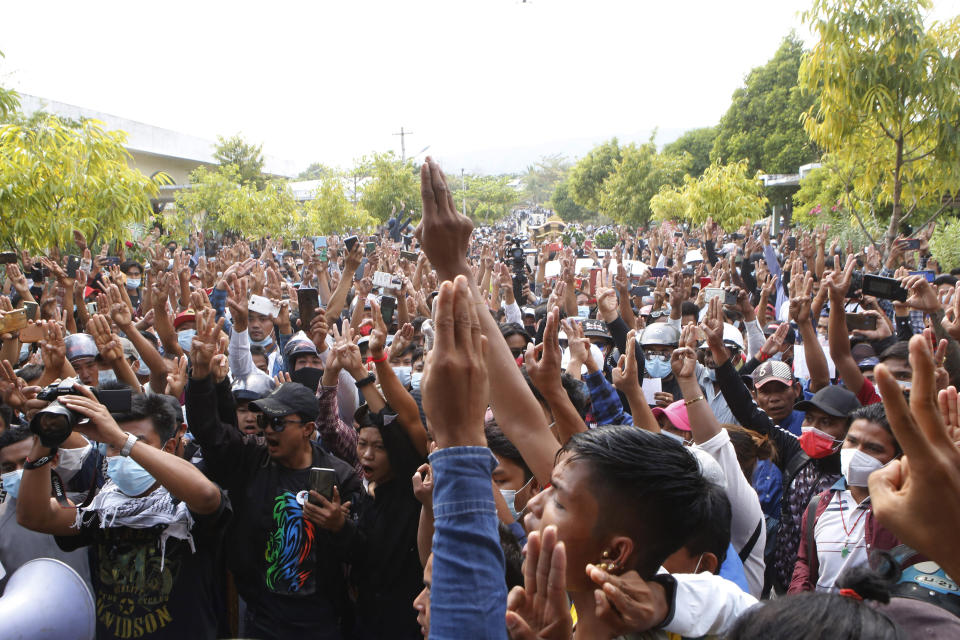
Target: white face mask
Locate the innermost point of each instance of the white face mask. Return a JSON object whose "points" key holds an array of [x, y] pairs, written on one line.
{"points": [[70, 461], [857, 466]]}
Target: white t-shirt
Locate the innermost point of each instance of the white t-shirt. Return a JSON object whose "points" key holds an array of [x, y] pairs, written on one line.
{"points": [[745, 508], [839, 533]]}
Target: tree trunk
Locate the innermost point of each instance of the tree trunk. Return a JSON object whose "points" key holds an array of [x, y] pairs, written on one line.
{"points": [[897, 191]]}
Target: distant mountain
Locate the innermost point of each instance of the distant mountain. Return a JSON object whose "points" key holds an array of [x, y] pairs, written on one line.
{"points": [[516, 159]]}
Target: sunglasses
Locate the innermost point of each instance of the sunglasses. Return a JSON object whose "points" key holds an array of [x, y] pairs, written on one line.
{"points": [[278, 424]]}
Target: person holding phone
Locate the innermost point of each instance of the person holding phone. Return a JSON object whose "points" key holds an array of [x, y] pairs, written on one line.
{"points": [[286, 555]]}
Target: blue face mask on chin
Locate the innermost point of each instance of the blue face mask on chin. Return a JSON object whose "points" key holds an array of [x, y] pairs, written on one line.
{"points": [[266, 342], [658, 368], [132, 479], [415, 379]]}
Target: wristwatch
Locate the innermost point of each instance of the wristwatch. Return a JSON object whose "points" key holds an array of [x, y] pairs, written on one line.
{"points": [[128, 445]]}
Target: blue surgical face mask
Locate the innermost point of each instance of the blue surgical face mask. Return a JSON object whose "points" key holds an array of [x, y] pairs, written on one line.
{"points": [[403, 373], [24, 352], [583, 311], [415, 378], [133, 283], [106, 376], [510, 497], [658, 368], [129, 476], [11, 482], [70, 461], [185, 339], [266, 342]]}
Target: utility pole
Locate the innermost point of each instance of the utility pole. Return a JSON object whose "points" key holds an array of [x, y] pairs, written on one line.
{"points": [[403, 146]]}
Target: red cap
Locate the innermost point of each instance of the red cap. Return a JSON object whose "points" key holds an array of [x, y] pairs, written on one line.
{"points": [[184, 316]]}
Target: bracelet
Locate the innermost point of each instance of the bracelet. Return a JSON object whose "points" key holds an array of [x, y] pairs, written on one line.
{"points": [[687, 403], [128, 445], [365, 381], [39, 462], [762, 356], [383, 358]]}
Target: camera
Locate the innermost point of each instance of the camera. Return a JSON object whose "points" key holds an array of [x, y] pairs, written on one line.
{"points": [[518, 261], [54, 422]]}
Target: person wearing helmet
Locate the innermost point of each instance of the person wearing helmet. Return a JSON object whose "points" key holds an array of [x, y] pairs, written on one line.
{"points": [[82, 352], [657, 343], [254, 386]]}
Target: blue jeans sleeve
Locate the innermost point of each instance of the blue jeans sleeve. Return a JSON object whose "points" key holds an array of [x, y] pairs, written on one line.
{"points": [[468, 596]]}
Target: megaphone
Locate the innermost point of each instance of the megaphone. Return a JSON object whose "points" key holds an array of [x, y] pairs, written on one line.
{"points": [[46, 599]]}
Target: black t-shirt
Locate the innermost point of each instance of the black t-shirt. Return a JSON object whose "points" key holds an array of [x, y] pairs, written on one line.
{"points": [[135, 598]]}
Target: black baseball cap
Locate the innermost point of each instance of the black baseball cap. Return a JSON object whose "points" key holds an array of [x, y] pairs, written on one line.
{"points": [[287, 399], [833, 400]]}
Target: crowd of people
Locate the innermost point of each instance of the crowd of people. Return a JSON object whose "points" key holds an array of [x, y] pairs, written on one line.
{"points": [[434, 433]]}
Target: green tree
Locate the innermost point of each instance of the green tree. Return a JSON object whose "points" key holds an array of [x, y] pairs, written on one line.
{"points": [[945, 245], [727, 193], [563, 204], [638, 175], [763, 121], [391, 183], [198, 208], [257, 213], [316, 171], [698, 143], [488, 198], [587, 176], [541, 178], [331, 212], [887, 91], [57, 176], [245, 157]]}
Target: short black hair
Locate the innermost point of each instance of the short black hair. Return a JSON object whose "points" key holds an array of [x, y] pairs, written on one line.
{"points": [[899, 350], [126, 264], [642, 480], [814, 615], [576, 391], [877, 414], [153, 407], [13, 435], [501, 446], [712, 533], [508, 329], [689, 309], [512, 556]]}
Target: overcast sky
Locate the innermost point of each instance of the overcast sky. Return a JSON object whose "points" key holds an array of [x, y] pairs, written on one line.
{"points": [[488, 84]]}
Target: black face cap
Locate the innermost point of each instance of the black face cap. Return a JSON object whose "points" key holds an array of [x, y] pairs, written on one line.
{"points": [[834, 401], [287, 399]]}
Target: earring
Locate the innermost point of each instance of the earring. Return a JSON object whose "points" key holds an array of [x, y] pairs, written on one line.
{"points": [[606, 566]]}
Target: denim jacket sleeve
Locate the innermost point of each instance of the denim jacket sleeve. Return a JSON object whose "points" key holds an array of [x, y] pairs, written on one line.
{"points": [[468, 590]]}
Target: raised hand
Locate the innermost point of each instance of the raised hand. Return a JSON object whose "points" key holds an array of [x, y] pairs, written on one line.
{"points": [[443, 233], [423, 485], [910, 490], [683, 360], [120, 311], [99, 327], [455, 384], [774, 343], [801, 301], [319, 329], [923, 297], [545, 371], [176, 376], [539, 609], [237, 300], [625, 375], [205, 342], [627, 604]]}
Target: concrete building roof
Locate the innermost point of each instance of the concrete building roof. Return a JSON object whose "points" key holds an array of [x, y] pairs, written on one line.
{"points": [[148, 139]]}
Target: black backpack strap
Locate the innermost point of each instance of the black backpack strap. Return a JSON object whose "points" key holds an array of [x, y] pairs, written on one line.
{"points": [[812, 561], [751, 543]]}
